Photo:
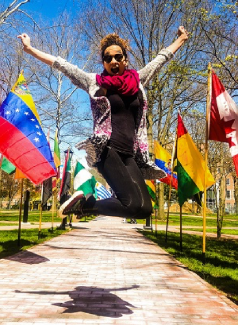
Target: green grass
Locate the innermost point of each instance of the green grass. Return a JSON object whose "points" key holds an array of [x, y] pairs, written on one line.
{"points": [[214, 230], [29, 238], [221, 266], [33, 216], [174, 220], [5, 224]]}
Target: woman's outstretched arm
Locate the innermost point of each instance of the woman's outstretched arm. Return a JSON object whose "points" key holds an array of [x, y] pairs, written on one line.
{"points": [[153, 67], [42, 56], [182, 37]]}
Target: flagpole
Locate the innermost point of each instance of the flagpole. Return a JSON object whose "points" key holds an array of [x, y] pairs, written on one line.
{"points": [[206, 158], [170, 187], [53, 211], [20, 211], [181, 228], [39, 232]]}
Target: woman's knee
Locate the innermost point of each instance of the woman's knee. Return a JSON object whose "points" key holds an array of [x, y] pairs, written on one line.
{"points": [[145, 212], [139, 211]]}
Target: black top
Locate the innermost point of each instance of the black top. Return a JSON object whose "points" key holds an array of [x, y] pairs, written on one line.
{"points": [[123, 111]]}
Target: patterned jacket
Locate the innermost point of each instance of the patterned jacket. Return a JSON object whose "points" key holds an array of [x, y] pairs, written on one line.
{"points": [[101, 111]]}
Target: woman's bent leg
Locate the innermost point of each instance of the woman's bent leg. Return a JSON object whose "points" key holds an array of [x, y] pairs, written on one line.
{"points": [[124, 177]]}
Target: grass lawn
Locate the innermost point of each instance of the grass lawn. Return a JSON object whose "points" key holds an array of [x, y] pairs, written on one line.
{"points": [[221, 267], [197, 221], [214, 230], [29, 238], [228, 221], [34, 216]]}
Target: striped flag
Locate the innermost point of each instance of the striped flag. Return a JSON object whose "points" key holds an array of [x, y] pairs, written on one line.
{"points": [[56, 180], [150, 184], [56, 150], [7, 166], [83, 180], [46, 190], [102, 192], [66, 178], [163, 160], [190, 166], [22, 140]]}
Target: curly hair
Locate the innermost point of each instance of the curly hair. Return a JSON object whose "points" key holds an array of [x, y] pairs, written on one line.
{"points": [[114, 39]]}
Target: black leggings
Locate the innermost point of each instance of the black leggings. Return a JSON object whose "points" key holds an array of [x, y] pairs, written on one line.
{"points": [[124, 177]]}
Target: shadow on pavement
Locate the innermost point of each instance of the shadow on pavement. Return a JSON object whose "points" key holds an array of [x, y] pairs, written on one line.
{"points": [[92, 300], [27, 258]]}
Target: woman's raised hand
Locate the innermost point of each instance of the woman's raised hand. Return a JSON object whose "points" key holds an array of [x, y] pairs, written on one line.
{"points": [[26, 41], [42, 56], [183, 33]]}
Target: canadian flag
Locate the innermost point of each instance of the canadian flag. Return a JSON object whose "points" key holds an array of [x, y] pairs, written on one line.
{"points": [[223, 124]]}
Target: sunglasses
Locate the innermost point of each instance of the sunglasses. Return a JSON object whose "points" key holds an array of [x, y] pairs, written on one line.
{"points": [[117, 57]]}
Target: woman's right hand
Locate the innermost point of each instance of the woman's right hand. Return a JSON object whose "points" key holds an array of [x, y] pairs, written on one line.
{"points": [[26, 41]]}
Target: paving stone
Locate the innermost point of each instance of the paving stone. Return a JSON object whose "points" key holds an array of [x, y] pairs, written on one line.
{"points": [[105, 272]]}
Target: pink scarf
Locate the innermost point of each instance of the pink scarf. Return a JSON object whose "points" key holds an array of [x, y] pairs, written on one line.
{"points": [[127, 84]]}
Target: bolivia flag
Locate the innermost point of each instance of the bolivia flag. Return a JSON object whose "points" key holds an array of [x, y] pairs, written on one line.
{"points": [[190, 166], [22, 140], [150, 184]]}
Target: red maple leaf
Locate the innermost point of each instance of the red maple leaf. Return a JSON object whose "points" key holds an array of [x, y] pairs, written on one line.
{"points": [[228, 129]]}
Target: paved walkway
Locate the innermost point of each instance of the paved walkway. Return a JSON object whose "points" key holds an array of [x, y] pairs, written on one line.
{"points": [[104, 272]]}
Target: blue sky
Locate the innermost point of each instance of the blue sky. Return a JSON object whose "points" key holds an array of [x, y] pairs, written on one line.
{"points": [[50, 9]]}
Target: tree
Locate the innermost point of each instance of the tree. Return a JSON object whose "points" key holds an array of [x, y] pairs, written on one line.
{"points": [[58, 101], [151, 25], [13, 8], [9, 187]]}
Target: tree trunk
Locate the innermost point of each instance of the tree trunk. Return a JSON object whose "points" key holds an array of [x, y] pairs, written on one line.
{"points": [[236, 193], [150, 123], [221, 210]]}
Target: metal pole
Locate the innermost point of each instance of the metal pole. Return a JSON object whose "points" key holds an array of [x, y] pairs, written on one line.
{"points": [[206, 154], [181, 230], [20, 211]]}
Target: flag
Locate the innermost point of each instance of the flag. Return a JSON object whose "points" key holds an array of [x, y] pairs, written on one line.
{"points": [[7, 166], [150, 184], [19, 174], [66, 178], [83, 180], [223, 118], [190, 166], [163, 161], [46, 191], [102, 192], [22, 140], [57, 162], [56, 150]]}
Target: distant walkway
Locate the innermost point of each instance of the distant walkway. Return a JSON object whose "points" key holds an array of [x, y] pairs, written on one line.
{"points": [[48, 225], [104, 272]]}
